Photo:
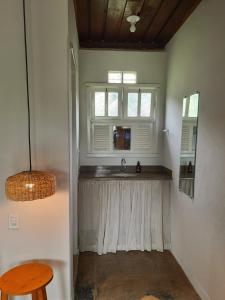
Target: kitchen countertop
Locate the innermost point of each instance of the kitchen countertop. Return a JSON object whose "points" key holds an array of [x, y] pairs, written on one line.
{"points": [[114, 173]]}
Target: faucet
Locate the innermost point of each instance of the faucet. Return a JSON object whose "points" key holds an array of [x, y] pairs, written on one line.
{"points": [[123, 165]]}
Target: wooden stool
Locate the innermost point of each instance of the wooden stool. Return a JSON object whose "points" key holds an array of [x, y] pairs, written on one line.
{"points": [[26, 279]]}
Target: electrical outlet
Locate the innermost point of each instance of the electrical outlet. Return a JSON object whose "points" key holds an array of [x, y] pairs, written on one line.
{"points": [[13, 221]]}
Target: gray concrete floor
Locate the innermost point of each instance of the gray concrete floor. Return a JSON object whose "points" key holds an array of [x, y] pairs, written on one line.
{"points": [[131, 276]]}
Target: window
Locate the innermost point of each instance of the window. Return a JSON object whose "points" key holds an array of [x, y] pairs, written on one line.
{"points": [[132, 105], [115, 77], [122, 119], [129, 77], [122, 77], [184, 106], [106, 103], [113, 98], [99, 104], [139, 103], [193, 106], [146, 104], [190, 106]]}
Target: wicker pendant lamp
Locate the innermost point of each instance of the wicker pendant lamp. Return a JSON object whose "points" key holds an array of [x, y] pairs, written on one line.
{"points": [[29, 185]]}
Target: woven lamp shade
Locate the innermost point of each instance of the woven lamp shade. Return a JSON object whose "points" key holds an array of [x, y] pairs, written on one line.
{"points": [[30, 185]]}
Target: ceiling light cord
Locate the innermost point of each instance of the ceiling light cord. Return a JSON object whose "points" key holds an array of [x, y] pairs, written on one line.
{"points": [[27, 85], [29, 185]]}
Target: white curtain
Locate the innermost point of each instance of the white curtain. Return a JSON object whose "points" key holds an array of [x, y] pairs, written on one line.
{"points": [[187, 186], [123, 215]]}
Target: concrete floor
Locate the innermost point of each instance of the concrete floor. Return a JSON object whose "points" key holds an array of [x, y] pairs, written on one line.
{"points": [[131, 276]]}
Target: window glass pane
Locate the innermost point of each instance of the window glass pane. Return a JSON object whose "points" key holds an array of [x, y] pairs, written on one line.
{"points": [[132, 110], [146, 104], [184, 106], [99, 104], [129, 77], [114, 77], [112, 104], [193, 106]]}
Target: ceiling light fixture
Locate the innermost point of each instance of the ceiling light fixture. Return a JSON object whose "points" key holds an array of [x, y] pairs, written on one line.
{"points": [[29, 185], [133, 20]]}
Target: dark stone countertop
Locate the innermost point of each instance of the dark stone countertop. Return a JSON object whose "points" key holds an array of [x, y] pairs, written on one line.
{"points": [[114, 173]]}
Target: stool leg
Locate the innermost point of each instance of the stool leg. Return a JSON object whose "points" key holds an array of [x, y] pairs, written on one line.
{"points": [[42, 294], [4, 296], [35, 295]]}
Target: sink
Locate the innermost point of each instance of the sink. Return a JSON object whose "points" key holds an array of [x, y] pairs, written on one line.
{"points": [[115, 172], [122, 174]]}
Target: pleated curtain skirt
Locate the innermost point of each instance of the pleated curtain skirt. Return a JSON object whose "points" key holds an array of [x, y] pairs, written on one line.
{"points": [[124, 215]]}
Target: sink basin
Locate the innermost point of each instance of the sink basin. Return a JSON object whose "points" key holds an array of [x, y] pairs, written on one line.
{"points": [[121, 174]]}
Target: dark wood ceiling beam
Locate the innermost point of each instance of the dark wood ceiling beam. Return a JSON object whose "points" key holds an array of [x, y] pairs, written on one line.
{"points": [[119, 45], [105, 21], [102, 23], [89, 19], [82, 18], [164, 12], [154, 12], [181, 13], [121, 21], [98, 18], [115, 13], [142, 7]]}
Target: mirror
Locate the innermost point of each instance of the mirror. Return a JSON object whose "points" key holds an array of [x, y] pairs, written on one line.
{"points": [[121, 138], [188, 144]]}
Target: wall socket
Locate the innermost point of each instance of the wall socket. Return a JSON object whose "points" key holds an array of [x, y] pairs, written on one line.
{"points": [[13, 221]]}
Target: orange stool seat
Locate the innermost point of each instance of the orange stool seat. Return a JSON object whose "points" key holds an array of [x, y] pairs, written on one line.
{"points": [[26, 279]]}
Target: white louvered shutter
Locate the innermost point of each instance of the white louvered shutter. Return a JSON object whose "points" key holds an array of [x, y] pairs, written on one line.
{"points": [[101, 138], [143, 141], [186, 141]]}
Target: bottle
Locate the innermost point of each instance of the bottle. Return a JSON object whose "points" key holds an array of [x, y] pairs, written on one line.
{"points": [[138, 167], [190, 167]]}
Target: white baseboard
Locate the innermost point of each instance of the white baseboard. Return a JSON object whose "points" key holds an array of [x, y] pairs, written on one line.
{"points": [[196, 284]]}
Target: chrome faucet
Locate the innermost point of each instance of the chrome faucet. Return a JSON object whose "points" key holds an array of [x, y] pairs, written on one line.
{"points": [[123, 165]]}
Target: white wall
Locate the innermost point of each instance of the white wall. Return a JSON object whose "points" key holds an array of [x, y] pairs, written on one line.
{"points": [[44, 224], [197, 63], [94, 67]]}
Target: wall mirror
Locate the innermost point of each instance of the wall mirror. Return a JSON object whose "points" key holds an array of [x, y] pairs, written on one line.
{"points": [[188, 144], [121, 138]]}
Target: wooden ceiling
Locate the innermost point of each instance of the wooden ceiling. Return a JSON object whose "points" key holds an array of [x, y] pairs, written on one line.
{"points": [[103, 24]]}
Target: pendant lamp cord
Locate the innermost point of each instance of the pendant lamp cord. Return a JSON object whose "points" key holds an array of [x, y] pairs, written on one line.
{"points": [[27, 84]]}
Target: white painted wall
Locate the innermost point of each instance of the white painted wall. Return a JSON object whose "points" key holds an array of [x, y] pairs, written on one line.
{"points": [[44, 225], [94, 67], [197, 63]]}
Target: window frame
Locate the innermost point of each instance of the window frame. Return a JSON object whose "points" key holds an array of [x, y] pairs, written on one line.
{"points": [[106, 89], [121, 72], [122, 120], [122, 77], [130, 83], [185, 116], [99, 90], [139, 89]]}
